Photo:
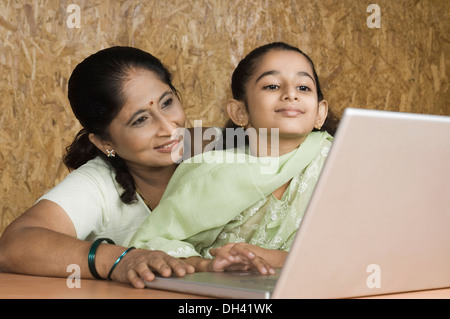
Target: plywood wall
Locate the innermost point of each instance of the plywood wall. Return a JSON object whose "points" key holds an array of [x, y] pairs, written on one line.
{"points": [[401, 66]]}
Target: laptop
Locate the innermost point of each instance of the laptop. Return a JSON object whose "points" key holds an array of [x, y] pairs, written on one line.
{"points": [[377, 223]]}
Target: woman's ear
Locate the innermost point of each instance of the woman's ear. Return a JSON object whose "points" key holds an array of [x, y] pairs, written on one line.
{"points": [[237, 112], [100, 143], [322, 113]]}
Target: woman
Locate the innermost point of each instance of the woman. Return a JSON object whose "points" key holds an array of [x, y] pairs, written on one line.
{"points": [[125, 101]]}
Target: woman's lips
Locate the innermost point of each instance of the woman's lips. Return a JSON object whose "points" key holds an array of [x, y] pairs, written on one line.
{"points": [[167, 147]]}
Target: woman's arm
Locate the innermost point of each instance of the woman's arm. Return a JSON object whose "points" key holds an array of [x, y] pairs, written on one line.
{"points": [[43, 242]]}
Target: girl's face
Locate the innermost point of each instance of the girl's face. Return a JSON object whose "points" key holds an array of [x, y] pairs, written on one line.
{"points": [[282, 94], [141, 133]]}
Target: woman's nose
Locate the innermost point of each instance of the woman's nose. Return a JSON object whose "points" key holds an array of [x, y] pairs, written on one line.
{"points": [[166, 126]]}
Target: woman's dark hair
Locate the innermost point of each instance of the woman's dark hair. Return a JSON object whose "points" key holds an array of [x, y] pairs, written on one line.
{"points": [[96, 96], [246, 68]]}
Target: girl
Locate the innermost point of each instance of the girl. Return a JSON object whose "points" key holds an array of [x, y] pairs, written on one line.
{"points": [[233, 211]]}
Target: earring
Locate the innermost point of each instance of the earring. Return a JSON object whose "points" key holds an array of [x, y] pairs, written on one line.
{"points": [[110, 153], [242, 126]]}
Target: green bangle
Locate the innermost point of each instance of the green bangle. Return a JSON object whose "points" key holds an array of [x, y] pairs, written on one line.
{"points": [[117, 261], [91, 255]]}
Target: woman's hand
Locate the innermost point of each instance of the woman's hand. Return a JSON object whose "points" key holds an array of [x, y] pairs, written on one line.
{"points": [[141, 264]]}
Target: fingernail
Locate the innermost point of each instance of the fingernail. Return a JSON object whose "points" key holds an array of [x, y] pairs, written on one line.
{"points": [[251, 255]]}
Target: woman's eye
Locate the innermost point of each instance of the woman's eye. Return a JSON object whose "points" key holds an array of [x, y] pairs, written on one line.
{"points": [[167, 103], [271, 87], [139, 121]]}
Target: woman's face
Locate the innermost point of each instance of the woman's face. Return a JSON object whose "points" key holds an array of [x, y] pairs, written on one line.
{"points": [[141, 133]]}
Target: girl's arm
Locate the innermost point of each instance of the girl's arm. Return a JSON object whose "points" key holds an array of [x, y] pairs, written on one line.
{"points": [[43, 242]]}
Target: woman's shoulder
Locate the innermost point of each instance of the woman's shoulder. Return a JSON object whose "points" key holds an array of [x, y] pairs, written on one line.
{"points": [[95, 170], [87, 181], [94, 166]]}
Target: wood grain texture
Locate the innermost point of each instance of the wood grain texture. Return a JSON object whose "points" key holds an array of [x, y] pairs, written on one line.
{"points": [[402, 66]]}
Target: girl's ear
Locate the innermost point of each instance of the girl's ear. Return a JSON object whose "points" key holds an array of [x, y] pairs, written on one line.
{"points": [[322, 113], [237, 112], [101, 144]]}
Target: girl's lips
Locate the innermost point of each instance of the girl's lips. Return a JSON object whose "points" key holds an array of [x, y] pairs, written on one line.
{"points": [[290, 111], [167, 147]]}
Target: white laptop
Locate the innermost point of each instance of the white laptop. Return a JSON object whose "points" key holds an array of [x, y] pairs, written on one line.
{"points": [[377, 223]]}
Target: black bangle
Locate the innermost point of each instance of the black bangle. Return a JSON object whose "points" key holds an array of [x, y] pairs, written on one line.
{"points": [[91, 255], [117, 261]]}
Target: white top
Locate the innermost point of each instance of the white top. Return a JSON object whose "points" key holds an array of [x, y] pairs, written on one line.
{"points": [[90, 196]]}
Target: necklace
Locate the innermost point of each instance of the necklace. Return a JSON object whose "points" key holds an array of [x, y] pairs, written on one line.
{"points": [[143, 198]]}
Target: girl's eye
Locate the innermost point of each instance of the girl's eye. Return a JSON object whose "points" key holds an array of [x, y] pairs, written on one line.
{"points": [[139, 121], [271, 87], [303, 88]]}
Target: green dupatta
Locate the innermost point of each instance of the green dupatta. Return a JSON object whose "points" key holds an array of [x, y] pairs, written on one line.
{"points": [[201, 198]]}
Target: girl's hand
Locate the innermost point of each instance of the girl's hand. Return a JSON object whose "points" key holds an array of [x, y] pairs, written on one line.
{"points": [[141, 264], [241, 256]]}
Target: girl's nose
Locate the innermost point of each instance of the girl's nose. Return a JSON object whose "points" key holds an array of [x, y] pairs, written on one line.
{"points": [[290, 94]]}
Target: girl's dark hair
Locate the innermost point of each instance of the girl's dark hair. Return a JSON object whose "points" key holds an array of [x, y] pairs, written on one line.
{"points": [[96, 96], [246, 68]]}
